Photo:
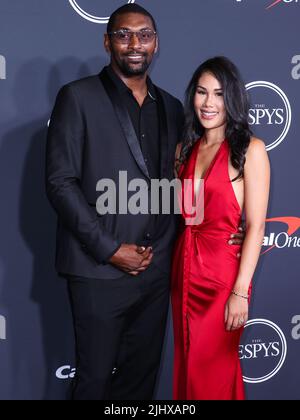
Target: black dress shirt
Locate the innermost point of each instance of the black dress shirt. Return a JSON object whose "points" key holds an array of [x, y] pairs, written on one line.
{"points": [[144, 120]]}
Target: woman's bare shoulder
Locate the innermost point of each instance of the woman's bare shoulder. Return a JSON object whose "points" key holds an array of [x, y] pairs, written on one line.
{"points": [[256, 156], [256, 147]]}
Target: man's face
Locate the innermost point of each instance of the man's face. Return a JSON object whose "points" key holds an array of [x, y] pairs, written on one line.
{"points": [[134, 57]]}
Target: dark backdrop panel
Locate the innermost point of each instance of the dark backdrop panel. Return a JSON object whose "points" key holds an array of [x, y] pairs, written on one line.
{"points": [[44, 44]]}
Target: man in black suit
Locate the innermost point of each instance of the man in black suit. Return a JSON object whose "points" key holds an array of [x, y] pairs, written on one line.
{"points": [[117, 265]]}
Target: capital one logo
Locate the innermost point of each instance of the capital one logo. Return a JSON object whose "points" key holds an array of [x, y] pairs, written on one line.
{"points": [[274, 3], [263, 351], [2, 328], [277, 2], [270, 112], [65, 372], [84, 10], [282, 238], [296, 68], [2, 67]]}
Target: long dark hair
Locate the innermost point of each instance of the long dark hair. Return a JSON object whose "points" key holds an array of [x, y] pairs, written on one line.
{"points": [[236, 103]]}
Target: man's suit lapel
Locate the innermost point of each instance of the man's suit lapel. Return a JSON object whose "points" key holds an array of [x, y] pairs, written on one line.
{"points": [[125, 121], [164, 133]]}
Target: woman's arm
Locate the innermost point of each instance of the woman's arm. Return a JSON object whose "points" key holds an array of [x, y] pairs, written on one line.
{"points": [[257, 185]]}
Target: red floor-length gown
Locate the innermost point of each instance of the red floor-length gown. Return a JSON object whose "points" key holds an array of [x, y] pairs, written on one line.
{"points": [[205, 268]]}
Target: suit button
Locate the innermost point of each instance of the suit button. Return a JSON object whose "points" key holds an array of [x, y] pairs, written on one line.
{"points": [[148, 236]]}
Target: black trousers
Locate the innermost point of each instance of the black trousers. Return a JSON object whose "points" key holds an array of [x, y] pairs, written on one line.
{"points": [[119, 329]]}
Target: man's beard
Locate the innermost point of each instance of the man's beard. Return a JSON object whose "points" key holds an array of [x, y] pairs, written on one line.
{"points": [[132, 70]]}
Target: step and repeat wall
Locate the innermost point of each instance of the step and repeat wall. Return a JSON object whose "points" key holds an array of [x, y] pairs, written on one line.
{"points": [[47, 43]]}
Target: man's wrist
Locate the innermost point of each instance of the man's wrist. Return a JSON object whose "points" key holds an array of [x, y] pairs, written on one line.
{"points": [[108, 259]]}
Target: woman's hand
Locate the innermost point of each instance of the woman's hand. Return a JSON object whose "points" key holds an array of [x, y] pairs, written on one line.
{"points": [[236, 312]]}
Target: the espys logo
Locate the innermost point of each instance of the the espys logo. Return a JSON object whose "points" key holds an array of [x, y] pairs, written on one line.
{"points": [[2, 68], [282, 239], [92, 15], [2, 328], [270, 112], [263, 351]]}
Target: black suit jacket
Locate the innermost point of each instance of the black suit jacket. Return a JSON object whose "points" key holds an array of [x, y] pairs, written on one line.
{"points": [[91, 137]]}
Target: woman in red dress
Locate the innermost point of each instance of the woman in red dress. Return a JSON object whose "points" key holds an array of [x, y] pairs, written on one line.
{"points": [[210, 283]]}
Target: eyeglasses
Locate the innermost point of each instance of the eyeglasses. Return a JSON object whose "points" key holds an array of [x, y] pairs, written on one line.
{"points": [[124, 36]]}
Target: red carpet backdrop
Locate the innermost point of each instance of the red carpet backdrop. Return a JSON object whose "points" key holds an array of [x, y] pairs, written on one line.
{"points": [[45, 44]]}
